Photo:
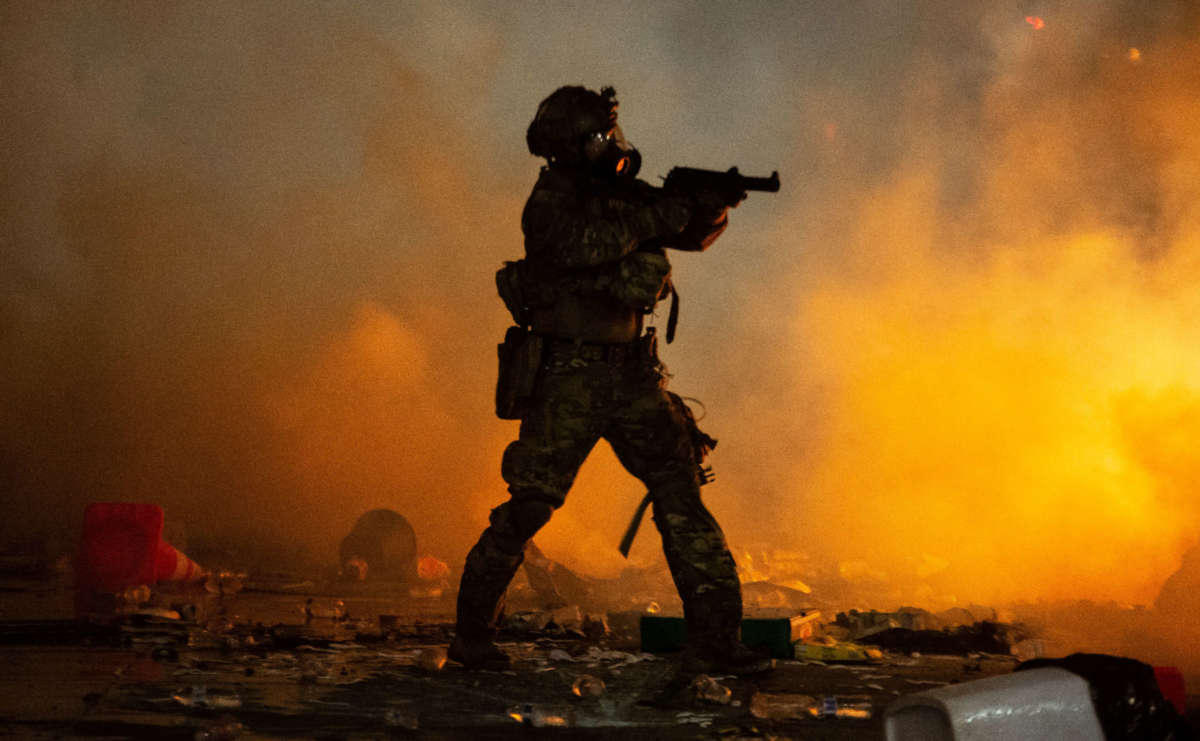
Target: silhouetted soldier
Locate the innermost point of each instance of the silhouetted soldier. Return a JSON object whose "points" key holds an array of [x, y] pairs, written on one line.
{"points": [[584, 370]]}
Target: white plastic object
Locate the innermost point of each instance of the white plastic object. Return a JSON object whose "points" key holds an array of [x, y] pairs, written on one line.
{"points": [[1046, 704]]}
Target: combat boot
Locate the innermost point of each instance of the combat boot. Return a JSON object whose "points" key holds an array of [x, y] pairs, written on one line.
{"points": [[724, 658], [478, 653], [485, 578]]}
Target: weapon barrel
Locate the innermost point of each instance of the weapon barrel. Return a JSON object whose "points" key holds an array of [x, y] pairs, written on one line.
{"points": [[769, 185]]}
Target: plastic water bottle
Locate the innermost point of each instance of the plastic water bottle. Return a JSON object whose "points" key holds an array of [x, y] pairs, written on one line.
{"points": [[846, 706], [785, 706]]}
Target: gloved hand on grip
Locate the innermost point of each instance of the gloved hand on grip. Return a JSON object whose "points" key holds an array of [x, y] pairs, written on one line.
{"points": [[708, 208]]}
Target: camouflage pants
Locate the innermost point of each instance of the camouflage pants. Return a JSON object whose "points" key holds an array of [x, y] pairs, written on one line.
{"points": [[624, 400]]}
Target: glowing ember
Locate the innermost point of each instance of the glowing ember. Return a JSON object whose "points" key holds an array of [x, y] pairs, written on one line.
{"points": [[1134, 55], [1035, 21]]}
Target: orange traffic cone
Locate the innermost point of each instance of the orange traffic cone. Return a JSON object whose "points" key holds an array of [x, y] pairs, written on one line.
{"points": [[172, 565], [122, 546]]}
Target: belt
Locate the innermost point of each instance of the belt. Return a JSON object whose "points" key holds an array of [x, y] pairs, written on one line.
{"points": [[609, 352]]}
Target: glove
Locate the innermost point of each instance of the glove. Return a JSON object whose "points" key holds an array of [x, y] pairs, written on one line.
{"points": [[641, 278], [708, 208]]}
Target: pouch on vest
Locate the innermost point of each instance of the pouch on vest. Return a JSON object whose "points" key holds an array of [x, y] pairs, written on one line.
{"points": [[510, 284], [520, 359]]}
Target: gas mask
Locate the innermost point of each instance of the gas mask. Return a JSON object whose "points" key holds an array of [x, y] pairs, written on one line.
{"points": [[610, 155]]}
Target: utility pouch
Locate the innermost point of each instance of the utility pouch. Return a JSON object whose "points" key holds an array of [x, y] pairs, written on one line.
{"points": [[510, 284], [520, 359], [701, 443]]}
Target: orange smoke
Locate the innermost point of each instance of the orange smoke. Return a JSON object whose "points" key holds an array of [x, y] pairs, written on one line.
{"points": [[998, 418], [1009, 388]]}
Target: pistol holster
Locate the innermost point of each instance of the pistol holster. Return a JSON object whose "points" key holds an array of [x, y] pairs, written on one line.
{"points": [[520, 360]]}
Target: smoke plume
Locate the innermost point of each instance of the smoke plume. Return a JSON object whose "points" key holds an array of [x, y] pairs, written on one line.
{"points": [[249, 255]]}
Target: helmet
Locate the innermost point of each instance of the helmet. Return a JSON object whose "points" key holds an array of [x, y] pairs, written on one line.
{"points": [[575, 126]]}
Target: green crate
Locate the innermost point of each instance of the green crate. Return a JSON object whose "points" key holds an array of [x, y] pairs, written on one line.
{"points": [[660, 634]]}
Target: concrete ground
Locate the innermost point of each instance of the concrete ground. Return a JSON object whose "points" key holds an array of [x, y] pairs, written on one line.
{"points": [[254, 665]]}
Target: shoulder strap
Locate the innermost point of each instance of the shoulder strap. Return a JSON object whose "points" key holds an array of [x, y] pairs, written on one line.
{"points": [[673, 316]]}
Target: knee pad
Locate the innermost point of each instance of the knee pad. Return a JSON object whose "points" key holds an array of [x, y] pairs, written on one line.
{"points": [[518, 520]]}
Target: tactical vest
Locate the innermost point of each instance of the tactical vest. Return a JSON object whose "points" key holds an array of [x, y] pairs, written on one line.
{"points": [[522, 293]]}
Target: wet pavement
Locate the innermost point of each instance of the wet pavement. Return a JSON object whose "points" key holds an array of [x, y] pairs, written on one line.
{"points": [[270, 664]]}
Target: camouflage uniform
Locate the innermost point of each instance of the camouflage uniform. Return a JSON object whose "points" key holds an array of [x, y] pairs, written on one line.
{"points": [[594, 254], [592, 390]]}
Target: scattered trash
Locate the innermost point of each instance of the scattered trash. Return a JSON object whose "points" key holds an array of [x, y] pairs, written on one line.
{"points": [[200, 696], [839, 652], [982, 637], [708, 689], [586, 685], [527, 621], [868, 622], [224, 583], [431, 659], [782, 706], [132, 598], [158, 613], [1030, 648], [789, 706], [597, 654], [595, 627], [543, 716], [704, 720], [776, 635], [845, 706]]}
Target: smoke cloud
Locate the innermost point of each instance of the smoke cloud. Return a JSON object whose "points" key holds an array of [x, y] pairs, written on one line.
{"points": [[249, 255]]}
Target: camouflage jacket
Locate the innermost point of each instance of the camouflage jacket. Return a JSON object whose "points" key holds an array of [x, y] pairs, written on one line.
{"points": [[581, 236]]}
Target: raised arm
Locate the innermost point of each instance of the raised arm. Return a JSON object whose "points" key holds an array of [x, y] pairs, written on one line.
{"points": [[569, 231]]}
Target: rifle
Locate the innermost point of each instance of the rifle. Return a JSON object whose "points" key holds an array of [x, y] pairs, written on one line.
{"points": [[731, 186]]}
